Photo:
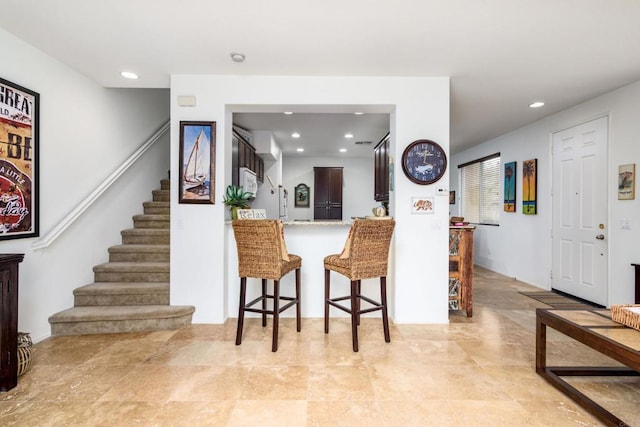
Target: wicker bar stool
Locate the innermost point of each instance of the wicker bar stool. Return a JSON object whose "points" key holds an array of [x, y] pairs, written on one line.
{"points": [[365, 256], [262, 254]]}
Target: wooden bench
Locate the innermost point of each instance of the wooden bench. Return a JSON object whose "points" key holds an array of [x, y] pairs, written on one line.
{"points": [[594, 328]]}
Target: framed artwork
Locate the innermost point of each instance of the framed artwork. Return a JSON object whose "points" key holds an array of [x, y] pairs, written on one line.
{"points": [[627, 182], [510, 187], [422, 205], [452, 197], [529, 184], [197, 162], [19, 159], [302, 196]]}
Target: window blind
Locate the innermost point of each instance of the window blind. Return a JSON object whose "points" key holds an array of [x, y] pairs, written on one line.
{"points": [[480, 196]]}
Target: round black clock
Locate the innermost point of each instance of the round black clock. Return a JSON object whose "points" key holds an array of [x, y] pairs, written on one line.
{"points": [[424, 162]]}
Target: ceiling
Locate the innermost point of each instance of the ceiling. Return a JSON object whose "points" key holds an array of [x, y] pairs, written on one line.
{"points": [[501, 55]]}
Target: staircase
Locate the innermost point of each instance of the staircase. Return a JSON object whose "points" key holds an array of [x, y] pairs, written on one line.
{"points": [[131, 291]]}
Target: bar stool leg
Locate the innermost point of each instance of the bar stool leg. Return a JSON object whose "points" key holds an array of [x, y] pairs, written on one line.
{"points": [[327, 279], [276, 314], [264, 302], [354, 314], [243, 295], [383, 300], [358, 300], [298, 311]]}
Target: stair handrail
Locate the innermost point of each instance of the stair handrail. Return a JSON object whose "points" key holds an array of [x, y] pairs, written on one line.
{"points": [[95, 194]]}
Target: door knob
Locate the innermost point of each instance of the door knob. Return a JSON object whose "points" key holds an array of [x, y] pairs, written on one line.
{"points": [[600, 237]]}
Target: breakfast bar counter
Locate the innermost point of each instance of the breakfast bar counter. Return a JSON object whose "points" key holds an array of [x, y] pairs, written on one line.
{"points": [[312, 241]]}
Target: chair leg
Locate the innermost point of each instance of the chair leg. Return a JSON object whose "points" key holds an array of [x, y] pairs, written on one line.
{"points": [[358, 300], [354, 314], [298, 311], [383, 300], [243, 294], [276, 314], [327, 279], [264, 302]]}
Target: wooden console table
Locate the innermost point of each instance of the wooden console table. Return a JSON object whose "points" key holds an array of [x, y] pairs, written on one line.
{"points": [[594, 328], [9, 320]]}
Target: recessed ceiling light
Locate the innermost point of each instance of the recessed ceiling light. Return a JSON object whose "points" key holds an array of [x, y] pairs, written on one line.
{"points": [[288, 113], [295, 135], [237, 57], [348, 135], [537, 104], [299, 150], [358, 113], [129, 75], [343, 150]]}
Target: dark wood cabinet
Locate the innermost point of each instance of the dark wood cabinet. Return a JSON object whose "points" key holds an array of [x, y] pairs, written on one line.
{"points": [[9, 320], [246, 157], [327, 202], [381, 170]]}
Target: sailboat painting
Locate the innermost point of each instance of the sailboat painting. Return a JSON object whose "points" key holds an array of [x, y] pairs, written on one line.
{"points": [[197, 162]]}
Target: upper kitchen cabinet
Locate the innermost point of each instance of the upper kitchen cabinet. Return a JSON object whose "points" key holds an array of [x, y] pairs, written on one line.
{"points": [[381, 170], [327, 202], [244, 156]]}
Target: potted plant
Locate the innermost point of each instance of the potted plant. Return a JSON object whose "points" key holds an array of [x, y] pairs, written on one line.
{"points": [[236, 198]]}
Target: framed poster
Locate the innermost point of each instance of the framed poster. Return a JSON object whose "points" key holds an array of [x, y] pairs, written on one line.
{"points": [[197, 162], [302, 196], [422, 205], [510, 187], [627, 182], [19, 152], [529, 184]]}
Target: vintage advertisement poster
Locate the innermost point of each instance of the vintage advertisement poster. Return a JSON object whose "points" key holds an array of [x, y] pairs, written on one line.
{"points": [[19, 117]]}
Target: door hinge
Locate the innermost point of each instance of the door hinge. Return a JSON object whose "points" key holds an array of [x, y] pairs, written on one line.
{"points": [[551, 274]]}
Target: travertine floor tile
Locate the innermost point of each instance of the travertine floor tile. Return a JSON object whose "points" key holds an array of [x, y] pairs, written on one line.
{"points": [[476, 371]]}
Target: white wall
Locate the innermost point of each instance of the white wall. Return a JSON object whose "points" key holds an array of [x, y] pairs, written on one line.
{"points": [[198, 244], [521, 246], [86, 132], [357, 184]]}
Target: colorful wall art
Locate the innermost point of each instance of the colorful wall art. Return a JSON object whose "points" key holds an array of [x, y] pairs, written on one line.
{"points": [[529, 186], [510, 187]]}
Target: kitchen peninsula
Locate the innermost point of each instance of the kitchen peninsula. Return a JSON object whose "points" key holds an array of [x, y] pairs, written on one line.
{"points": [[311, 240]]}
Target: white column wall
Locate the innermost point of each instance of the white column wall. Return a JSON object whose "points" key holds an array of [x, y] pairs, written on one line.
{"points": [[419, 108]]}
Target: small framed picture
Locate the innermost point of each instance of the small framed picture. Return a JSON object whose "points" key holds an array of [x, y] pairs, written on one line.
{"points": [[422, 205], [302, 196], [452, 197], [627, 182], [197, 162]]}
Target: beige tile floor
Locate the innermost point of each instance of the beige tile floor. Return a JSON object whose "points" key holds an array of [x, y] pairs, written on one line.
{"points": [[472, 372]]}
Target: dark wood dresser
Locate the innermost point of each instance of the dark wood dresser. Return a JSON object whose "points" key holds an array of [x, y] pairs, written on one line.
{"points": [[9, 320]]}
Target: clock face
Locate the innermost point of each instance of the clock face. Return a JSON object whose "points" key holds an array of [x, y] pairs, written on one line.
{"points": [[424, 162]]}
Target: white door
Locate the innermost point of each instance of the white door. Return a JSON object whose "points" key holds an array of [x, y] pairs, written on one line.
{"points": [[579, 234]]}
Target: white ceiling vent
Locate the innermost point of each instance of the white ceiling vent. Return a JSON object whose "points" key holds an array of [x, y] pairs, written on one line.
{"points": [[362, 142]]}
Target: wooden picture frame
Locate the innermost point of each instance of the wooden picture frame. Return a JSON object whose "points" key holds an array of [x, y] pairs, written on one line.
{"points": [[510, 180], [452, 197], [197, 162], [529, 187], [302, 196], [627, 182], [19, 160]]}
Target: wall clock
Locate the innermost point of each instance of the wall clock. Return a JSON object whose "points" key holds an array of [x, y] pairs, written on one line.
{"points": [[424, 162]]}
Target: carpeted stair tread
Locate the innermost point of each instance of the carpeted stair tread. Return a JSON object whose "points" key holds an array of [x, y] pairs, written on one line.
{"points": [[130, 288], [140, 248], [154, 217], [118, 313], [132, 267]]}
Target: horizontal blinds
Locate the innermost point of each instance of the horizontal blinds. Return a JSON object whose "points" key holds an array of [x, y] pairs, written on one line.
{"points": [[481, 202]]}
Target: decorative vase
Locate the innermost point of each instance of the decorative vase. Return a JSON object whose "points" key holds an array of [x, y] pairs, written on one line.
{"points": [[234, 212], [24, 352]]}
